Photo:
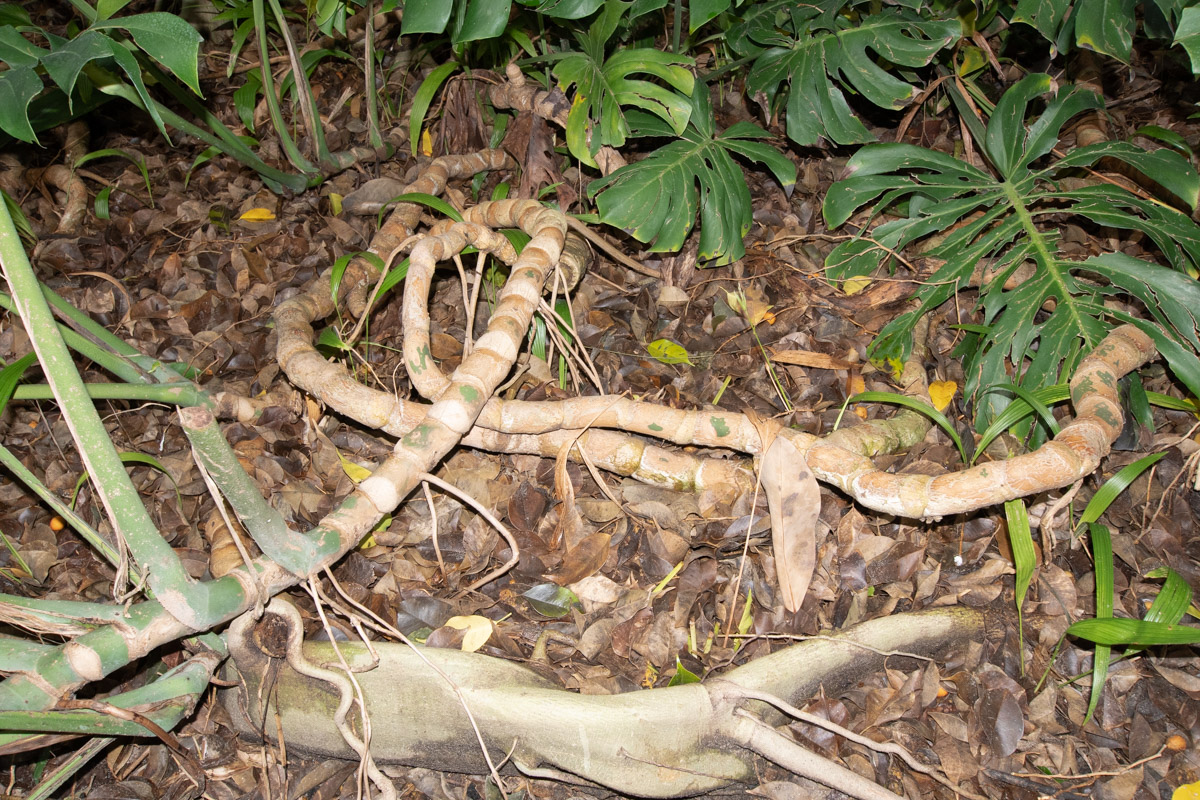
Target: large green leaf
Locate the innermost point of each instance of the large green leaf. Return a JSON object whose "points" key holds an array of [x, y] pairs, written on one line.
{"points": [[13, 14], [656, 199], [604, 86], [808, 52], [16, 50], [18, 87], [1106, 26], [482, 19], [66, 62], [167, 39], [701, 11], [1103, 25], [426, 16], [565, 9], [1039, 329], [1187, 35]]}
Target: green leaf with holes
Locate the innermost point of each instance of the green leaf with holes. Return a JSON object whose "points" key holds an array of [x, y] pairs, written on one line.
{"points": [[604, 86], [808, 56], [656, 199], [1010, 216]]}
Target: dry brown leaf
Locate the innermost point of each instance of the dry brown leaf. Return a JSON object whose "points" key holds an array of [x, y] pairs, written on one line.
{"points": [[809, 358], [795, 502], [582, 560]]}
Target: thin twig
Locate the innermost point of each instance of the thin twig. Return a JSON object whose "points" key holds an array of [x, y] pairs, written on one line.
{"points": [[1090, 775], [612, 252], [450, 488], [879, 747]]}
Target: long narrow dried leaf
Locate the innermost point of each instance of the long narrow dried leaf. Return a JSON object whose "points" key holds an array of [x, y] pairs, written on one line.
{"points": [[795, 502]]}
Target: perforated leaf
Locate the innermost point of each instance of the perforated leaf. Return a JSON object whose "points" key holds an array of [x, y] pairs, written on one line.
{"points": [[809, 53], [604, 87], [1010, 218], [655, 200]]}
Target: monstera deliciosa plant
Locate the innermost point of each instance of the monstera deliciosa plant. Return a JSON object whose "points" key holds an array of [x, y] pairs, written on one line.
{"points": [[1008, 217], [804, 53], [655, 200]]}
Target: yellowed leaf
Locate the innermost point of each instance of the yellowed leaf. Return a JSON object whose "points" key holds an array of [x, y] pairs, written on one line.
{"points": [[941, 393], [479, 630], [752, 305], [1188, 791], [426, 143], [258, 215], [856, 385], [668, 352], [353, 471], [335, 203], [650, 676], [855, 285]]}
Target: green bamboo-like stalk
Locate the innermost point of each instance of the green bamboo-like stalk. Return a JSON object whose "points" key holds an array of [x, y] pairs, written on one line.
{"points": [[21, 655], [63, 772], [109, 648], [294, 552], [79, 614], [164, 701], [104, 357], [197, 605], [178, 394]]}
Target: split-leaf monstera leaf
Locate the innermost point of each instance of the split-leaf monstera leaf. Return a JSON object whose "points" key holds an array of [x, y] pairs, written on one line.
{"points": [[1011, 215]]}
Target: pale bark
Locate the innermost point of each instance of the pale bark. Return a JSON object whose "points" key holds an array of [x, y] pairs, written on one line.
{"points": [[667, 742]]}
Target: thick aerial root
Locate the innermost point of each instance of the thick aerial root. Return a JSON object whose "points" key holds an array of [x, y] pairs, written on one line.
{"points": [[843, 459], [464, 407], [517, 94], [669, 742]]}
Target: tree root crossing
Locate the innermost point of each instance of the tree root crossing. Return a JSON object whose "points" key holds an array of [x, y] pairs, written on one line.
{"points": [[667, 742]]}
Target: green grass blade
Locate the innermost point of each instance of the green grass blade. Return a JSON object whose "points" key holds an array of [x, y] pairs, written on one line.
{"points": [[10, 376], [1108, 633], [116, 151], [394, 276], [1027, 403], [428, 200], [1170, 604], [913, 405], [1103, 559], [1191, 405], [1115, 485], [1172, 601], [1021, 539], [422, 100]]}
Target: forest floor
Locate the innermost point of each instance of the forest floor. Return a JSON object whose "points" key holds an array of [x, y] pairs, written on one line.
{"points": [[186, 278]]}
